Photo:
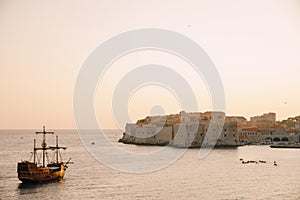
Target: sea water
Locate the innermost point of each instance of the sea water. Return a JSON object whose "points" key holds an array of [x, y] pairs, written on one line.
{"points": [[220, 175]]}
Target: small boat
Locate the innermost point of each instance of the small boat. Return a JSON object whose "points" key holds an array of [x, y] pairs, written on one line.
{"points": [[262, 161], [40, 172]]}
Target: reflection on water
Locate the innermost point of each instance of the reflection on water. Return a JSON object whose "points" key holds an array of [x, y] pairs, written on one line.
{"points": [[42, 187]]}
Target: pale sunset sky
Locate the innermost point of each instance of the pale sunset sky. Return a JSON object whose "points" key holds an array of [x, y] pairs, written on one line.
{"points": [[255, 46]]}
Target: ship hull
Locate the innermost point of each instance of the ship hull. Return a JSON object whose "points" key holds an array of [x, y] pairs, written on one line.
{"points": [[30, 172]]}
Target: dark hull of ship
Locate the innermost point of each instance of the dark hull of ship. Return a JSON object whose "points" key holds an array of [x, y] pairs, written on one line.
{"points": [[29, 172]]}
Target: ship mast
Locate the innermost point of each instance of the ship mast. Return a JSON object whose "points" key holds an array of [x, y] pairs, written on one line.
{"points": [[34, 150], [57, 149], [44, 144]]}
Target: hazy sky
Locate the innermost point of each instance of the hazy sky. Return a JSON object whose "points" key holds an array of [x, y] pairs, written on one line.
{"points": [[255, 46]]}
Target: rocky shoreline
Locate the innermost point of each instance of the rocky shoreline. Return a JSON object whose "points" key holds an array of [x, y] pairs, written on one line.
{"points": [[171, 144]]}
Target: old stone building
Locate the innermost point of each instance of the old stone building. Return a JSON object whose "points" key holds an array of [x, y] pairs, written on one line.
{"points": [[189, 132]]}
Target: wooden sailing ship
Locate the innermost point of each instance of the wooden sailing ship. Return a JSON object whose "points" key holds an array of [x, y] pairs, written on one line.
{"points": [[38, 172]]}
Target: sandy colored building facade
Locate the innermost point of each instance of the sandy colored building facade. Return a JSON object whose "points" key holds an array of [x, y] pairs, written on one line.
{"points": [[183, 130]]}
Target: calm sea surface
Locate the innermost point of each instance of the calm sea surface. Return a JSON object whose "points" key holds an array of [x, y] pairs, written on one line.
{"points": [[219, 176]]}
